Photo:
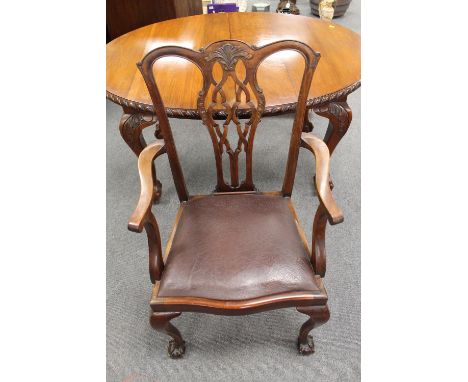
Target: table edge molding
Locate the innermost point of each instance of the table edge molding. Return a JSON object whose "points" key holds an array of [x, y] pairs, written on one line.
{"points": [[221, 114]]}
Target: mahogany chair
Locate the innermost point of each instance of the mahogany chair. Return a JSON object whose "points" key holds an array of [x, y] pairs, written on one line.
{"points": [[236, 251]]}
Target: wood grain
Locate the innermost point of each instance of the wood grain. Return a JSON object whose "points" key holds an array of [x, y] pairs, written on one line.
{"points": [[322, 176], [279, 75], [236, 308], [142, 217], [145, 169]]}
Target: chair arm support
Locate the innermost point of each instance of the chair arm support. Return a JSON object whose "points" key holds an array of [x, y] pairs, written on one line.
{"points": [[322, 176], [145, 162], [142, 217]]}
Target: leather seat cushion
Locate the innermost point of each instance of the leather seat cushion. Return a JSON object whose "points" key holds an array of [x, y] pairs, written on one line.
{"points": [[236, 247]]}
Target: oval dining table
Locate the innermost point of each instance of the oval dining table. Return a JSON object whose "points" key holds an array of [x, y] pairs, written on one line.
{"points": [[337, 74]]}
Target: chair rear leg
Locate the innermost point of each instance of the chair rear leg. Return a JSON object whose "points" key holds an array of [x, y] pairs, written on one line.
{"points": [[160, 322], [318, 316]]}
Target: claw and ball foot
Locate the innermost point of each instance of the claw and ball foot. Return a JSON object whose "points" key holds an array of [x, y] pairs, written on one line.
{"points": [[176, 350], [306, 348], [160, 322], [318, 316]]}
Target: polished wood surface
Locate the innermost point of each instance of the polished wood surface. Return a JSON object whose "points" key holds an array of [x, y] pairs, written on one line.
{"points": [[145, 169], [322, 176], [279, 75], [142, 217]]}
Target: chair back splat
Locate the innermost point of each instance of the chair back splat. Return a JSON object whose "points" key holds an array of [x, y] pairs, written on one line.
{"points": [[233, 64]]}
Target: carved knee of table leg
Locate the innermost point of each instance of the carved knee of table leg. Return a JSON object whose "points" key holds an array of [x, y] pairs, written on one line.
{"points": [[318, 316], [131, 127], [340, 115], [160, 322]]}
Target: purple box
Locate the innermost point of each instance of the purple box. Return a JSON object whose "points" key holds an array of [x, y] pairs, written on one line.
{"points": [[219, 8]]}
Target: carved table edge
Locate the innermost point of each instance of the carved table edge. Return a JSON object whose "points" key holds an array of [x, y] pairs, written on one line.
{"points": [[270, 110]]}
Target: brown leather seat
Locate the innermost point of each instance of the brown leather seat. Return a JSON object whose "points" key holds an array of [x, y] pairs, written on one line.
{"points": [[237, 247]]}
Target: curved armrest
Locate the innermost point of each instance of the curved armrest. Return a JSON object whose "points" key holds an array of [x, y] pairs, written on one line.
{"points": [[145, 163], [322, 177]]}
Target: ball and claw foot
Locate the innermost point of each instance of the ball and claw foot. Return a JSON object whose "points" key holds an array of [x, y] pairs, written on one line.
{"points": [[176, 350], [308, 348], [161, 322]]}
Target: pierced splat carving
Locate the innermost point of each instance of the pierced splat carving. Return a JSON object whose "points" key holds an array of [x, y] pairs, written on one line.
{"points": [[230, 91], [213, 97]]}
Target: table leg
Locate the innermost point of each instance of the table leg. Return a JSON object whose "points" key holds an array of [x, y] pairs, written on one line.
{"points": [[340, 115], [131, 127]]}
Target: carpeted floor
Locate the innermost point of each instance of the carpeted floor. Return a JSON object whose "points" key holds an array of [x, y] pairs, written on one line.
{"points": [[259, 347]]}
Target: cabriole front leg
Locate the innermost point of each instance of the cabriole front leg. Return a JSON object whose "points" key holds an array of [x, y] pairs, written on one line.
{"points": [[160, 322], [131, 127], [318, 316]]}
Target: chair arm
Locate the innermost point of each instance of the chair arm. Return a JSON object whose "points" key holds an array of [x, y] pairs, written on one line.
{"points": [[145, 169], [322, 176]]}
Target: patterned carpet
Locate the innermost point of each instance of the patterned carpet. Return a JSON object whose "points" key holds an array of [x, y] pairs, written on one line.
{"points": [[259, 347]]}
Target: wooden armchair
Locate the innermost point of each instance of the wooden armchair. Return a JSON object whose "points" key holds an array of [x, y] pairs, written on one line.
{"points": [[236, 251]]}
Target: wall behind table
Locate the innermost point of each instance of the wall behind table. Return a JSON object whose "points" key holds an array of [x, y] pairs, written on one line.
{"points": [[123, 16]]}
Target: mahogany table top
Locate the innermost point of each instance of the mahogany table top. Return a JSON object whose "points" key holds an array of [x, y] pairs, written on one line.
{"points": [[337, 74]]}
